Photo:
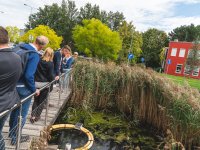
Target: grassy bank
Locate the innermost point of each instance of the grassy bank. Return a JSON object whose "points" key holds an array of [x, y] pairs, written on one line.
{"points": [[195, 83], [141, 95]]}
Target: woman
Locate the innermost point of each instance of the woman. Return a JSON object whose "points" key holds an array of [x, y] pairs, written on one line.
{"points": [[43, 75]]}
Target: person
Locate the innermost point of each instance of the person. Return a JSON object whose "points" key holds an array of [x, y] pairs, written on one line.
{"points": [[26, 86], [9, 75], [57, 59], [67, 63], [68, 59], [75, 55], [44, 74]]}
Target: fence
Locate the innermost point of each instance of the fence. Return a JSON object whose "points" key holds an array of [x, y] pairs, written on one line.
{"points": [[63, 86]]}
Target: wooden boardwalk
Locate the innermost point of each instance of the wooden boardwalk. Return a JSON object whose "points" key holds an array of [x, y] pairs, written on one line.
{"points": [[33, 130]]}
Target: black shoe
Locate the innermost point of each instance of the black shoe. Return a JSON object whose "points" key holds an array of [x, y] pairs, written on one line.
{"points": [[24, 138]]}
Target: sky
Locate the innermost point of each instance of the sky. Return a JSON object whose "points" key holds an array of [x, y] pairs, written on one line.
{"points": [[161, 14]]}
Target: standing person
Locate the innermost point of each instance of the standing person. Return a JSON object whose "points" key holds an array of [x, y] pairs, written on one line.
{"points": [[57, 59], [44, 74], [68, 59], [67, 63], [26, 85], [9, 75]]}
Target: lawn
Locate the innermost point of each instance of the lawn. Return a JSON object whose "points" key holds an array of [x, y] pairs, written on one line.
{"points": [[192, 82]]}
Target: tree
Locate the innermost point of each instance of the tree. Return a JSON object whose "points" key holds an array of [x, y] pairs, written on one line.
{"points": [[115, 20], [14, 34], [54, 40], [185, 33], [153, 42], [131, 41], [193, 59], [95, 39], [61, 19]]}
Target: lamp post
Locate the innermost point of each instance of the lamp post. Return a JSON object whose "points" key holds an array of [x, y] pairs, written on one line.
{"points": [[31, 12]]}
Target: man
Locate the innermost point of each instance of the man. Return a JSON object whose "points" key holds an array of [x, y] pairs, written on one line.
{"points": [[26, 85], [10, 71]]}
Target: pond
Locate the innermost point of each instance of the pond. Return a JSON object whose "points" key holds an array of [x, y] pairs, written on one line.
{"points": [[111, 132]]}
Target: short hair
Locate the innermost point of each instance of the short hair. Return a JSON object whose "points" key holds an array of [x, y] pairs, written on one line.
{"points": [[4, 39], [67, 47], [42, 40]]}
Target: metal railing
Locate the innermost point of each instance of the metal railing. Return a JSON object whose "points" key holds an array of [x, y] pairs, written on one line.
{"points": [[62, 87]]}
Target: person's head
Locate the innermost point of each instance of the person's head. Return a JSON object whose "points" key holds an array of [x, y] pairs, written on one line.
{"points": [[66, 50], [48, 54], [4, 39], [75, 54], [41, 41]]}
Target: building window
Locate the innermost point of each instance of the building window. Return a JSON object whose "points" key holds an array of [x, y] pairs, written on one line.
{"points": [[182, 52], [174, 50], [178, 68], [187, 70], [196, 71]]}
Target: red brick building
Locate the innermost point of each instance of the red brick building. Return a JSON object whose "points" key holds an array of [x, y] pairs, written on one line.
{"points": [[177, 54]]}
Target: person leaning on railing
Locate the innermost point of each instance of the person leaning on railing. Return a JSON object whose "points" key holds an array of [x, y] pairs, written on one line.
{"points": [[44, 74], [26, 86], [67, 64], [10, 71]]}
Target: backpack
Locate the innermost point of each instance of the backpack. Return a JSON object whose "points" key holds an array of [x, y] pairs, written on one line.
{"points": [[24, 54]]}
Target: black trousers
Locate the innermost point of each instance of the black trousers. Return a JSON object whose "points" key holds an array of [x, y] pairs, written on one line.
{"points": [[39, 103]]}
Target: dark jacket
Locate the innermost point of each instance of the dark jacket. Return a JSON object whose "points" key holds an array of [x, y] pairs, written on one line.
{"points": [[57, 63], [10, 71], [44, 72], [31, 66]]}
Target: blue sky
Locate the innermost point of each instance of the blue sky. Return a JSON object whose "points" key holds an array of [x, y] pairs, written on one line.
{"points": [[162, 14]]}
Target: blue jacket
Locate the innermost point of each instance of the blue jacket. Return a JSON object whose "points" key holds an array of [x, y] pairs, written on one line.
{"points": [[31, 66], [68, 63]]}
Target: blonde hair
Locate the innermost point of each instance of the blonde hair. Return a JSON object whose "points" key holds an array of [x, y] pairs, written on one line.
{"points": [[48, 54]]}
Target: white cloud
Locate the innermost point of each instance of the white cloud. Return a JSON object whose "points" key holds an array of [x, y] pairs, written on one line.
{"points": [[144, 13]]}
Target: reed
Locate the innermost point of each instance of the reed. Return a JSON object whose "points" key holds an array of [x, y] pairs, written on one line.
{"points": [[141, 94]]}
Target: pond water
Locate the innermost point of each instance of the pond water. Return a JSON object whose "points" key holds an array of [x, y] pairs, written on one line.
{"points": [[78, 139], [111, 131]]}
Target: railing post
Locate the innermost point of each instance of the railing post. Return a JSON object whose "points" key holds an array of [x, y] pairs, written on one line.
{"points": [[19, 128], [60, 90], [47, 106]]}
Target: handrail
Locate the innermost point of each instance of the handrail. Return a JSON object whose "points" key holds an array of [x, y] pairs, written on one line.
{"points": [[2, 114]]}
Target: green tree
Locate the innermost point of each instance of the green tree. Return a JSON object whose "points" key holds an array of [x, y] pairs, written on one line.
{"points": [[131, 41], [111, 19], [115, 20], [193, 59], [95, 39], [185, 33], [54, 39], [14, 33], [154, 41], [61, 19]]}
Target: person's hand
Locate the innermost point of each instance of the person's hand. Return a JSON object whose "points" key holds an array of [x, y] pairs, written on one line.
{"points": [[37, 92], [57, 78]]}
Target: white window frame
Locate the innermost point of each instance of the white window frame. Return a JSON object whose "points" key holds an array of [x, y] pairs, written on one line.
{"points": [[174, 51], [180, 70], [197, 72], [182, 52], [187, 70], [189, 51]]}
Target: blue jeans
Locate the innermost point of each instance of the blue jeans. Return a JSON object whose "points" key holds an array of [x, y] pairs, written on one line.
{"points": [[65, 81], [23, 92], [2, 122]]}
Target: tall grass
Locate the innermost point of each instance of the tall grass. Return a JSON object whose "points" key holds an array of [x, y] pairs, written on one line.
{"points": [[140, 93]]}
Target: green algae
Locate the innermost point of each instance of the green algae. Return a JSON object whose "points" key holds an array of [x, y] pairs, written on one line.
{"points": [[109, 126]]}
